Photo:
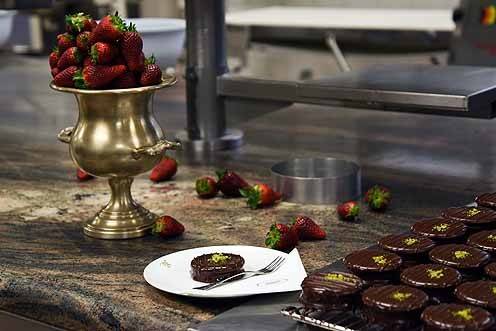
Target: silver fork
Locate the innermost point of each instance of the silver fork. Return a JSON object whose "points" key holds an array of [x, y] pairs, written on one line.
{"points": [[271, 267]]}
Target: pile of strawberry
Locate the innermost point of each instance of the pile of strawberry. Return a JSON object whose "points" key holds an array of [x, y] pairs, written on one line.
{"points": [[107, 55]]}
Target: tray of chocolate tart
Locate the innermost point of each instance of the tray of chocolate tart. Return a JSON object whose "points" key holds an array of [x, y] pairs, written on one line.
{"points": [[439, 276]]}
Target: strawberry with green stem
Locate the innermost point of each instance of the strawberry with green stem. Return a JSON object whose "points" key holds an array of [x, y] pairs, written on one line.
{"points": [[307, 229], [54, 57], [83, 41], [165, 170], [260, 195], [65, 41], [152, 74], [230, 183], [71, 57], [131, 47], [65, 78], [79, 22], [110, 29], [167, 227], [348, 211], [378, 198], [206, 187], [281, 237], [103, 53], [97, 76]]}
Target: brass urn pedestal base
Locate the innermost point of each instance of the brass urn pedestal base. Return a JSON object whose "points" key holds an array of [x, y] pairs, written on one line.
{"points": [[122, 217], [117, 137]]}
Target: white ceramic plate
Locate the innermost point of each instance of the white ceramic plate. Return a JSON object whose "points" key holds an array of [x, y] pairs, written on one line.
{"points": [[171, 273]]}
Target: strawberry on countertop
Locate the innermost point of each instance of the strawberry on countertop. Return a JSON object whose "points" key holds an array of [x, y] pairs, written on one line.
{"points": [[206, 187], [378, 198], [230, 183], [165, 170], [97, 76], [307, 229], [260, 195], [83, 176], [167, 227], [152, 74], [281, 237], [110, 29], [348, 211]]}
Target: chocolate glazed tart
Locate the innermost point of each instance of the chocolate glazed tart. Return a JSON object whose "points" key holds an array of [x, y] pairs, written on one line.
{"points": [[487, 200], [395, 307], [411, 248], [485, 240], [436, 280], [440, 229], [206, 269], [330, 291], [480, 293], [475, 218], [490, 270], [457, 317], [467, 259], [374, 266]]}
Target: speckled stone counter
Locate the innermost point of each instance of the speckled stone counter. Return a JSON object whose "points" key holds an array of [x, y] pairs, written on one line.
{"points": [[52, 272]]}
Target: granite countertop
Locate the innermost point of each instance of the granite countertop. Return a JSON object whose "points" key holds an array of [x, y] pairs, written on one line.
{"points": [[53, 273]]}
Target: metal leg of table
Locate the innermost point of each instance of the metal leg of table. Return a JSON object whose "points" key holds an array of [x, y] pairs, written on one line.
{"points": [[344, 66], [205, 61]]}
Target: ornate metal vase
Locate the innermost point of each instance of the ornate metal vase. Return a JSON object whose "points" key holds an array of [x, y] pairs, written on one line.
{"points": [[117, 137]]}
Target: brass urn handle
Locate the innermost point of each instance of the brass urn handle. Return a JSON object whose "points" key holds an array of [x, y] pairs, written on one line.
{"points": [[156, 149], [65, 134]]}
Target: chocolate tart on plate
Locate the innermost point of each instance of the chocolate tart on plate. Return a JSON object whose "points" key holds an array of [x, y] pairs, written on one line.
{"points": [[449, 317], [330, 291], [490, 270], [440, 229], [410, 247], [436, 280], [487, 200], [485, 240], [480, 293], [475, 218], [467, 259], [209, 268], [374, 266], [395, 307]]}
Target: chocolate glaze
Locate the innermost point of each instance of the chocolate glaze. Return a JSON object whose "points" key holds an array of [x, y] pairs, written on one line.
{"points": [[369, 260], [487, 200], [383, 298], [418, 276], [463, 214], [485, 240], [439, 229], [443, 317], [406, 244], [206, 271], [480, 293], [490, 270], [445, 254], [333, 290]]}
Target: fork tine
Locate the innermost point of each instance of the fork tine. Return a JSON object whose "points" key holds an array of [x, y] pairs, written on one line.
{"points": [[271, 264], [278, 265]]}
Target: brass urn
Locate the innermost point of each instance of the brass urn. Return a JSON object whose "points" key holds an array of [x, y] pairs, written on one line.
{"points": [[117, 137]]}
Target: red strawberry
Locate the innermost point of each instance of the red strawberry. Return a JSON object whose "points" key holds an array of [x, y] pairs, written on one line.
{"points": [[83, 176], [206, 187], [54, 57], [348, 211], [65, 41], [109, 29], [152, 74], [165, 170], [87, 61], [119, 60], [230, 183], [78, 22], [97, 76], [307, 229], [132, 49], [71, 57], [378, 198], [260, 195], [166, 227], [103, 53], [55, 71], [126, 80], [281, 237], [83, 41], [65, 78]]}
